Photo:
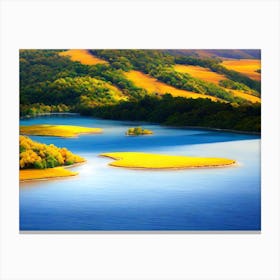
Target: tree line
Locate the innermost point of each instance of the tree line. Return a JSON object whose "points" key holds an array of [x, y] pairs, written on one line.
{"points": [[179, 111]]}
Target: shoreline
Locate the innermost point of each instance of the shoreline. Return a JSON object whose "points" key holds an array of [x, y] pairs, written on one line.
{"points": [[234, 164], [147, 122], [49, 114], [215, 129], [55, 177], [47, 178], [182, 127]]}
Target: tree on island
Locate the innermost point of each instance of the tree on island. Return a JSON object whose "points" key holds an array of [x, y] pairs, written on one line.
{"points": [[136, 131]]}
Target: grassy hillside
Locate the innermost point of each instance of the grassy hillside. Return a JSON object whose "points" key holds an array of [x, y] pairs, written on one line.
{"points": [[162, 66], [152, 85], [207, 75], [89, 81], [200, 72], [248, 67], [83, 56]]}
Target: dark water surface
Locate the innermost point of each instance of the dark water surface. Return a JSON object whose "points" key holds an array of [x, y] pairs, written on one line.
{"points": [[109, 198]]}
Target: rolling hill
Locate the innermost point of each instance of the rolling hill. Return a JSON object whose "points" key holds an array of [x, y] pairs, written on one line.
{"points": [[212, 77], [222, 53], [96, 82], [247, 67]]}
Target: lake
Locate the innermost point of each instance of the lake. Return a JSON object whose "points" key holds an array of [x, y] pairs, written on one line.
{"points": [[107, 198]]}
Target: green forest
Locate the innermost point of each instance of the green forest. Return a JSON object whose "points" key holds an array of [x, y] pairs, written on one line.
{"points": [[50, 83]]}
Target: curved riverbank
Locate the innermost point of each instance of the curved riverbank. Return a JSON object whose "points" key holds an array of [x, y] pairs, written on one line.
{"points": [[27, 175]]}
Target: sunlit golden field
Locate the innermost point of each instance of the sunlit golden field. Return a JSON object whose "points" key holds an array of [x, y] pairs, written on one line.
{"points": [[245, 66], [48, 173], [152, 85], [83, 56], [158, 161], [58, 130], [246, 96], [207, 75], [202, 73], [116, 93]]}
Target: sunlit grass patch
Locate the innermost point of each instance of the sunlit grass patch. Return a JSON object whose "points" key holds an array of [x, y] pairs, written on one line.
{"points": [[152, 85], [247, 67], [83, 56], [213, 77], [202, 73], [246, 96], [48, 173], [158, 161], [58, 130]]}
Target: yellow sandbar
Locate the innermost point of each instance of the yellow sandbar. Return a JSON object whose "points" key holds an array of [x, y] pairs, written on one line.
{"points": [[58, 130], [159, 161], [48, 173]]}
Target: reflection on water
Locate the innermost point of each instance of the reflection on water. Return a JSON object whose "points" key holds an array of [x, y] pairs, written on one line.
{"points": [[110, 198]]}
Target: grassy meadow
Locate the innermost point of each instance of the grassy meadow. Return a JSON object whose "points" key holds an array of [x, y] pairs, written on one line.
{"points": [[207, 75]]}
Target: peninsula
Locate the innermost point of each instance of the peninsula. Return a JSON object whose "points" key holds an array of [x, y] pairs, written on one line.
{"points": [[160, 161], [58, 130]]}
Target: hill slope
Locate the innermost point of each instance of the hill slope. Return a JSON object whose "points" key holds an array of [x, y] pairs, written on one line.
{"points": [[83, 56], [248, 67], [92, 82], [152, 85]]}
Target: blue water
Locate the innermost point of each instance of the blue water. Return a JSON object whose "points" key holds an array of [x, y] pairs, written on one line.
{"points": [[109, 198]]}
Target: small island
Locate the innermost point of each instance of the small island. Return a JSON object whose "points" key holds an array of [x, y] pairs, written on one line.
{"points": [[58, 130], [41, 161], [136, 131], [158, 161]]}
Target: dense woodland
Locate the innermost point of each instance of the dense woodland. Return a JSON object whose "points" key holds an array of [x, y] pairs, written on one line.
{"points": [[39, 156], [180, 111], [53, 83]]}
